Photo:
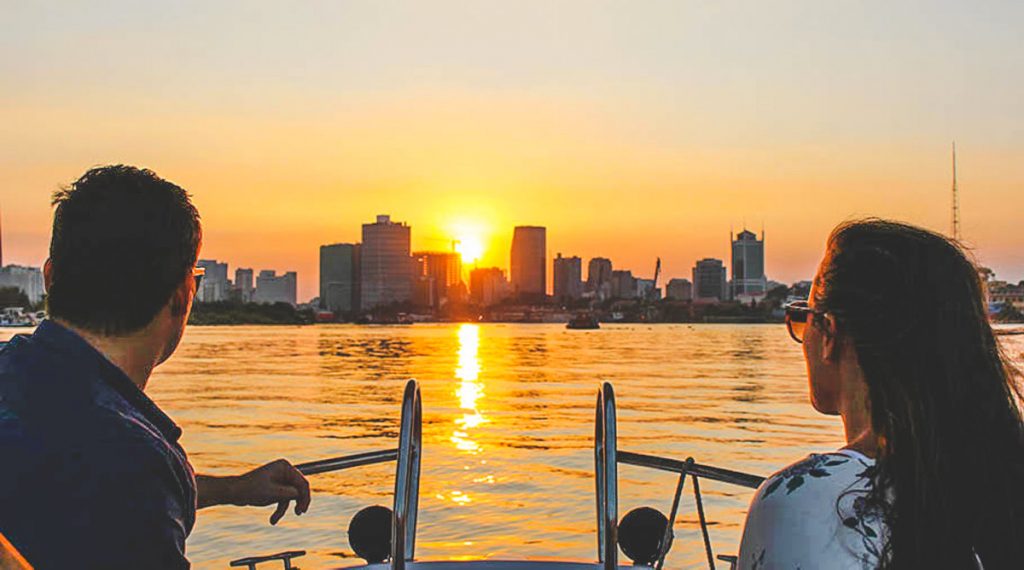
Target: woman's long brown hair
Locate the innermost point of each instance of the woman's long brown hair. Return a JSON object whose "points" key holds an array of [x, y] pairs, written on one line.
{"points": [[945, 402]]}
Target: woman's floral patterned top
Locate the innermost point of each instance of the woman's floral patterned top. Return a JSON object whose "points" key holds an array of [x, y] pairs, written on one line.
{"points": [[814, 515]]}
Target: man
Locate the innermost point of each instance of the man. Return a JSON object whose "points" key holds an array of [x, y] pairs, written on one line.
{"points": [[91, 472]]}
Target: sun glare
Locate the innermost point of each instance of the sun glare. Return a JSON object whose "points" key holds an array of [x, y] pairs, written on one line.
{"points": [[471, 248], [469, 242]]}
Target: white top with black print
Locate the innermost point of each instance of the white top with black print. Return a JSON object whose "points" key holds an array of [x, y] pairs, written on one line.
{"points": [[814, 515]]}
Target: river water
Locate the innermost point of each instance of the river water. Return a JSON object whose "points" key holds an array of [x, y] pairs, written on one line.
{"points": [[508, 428]]}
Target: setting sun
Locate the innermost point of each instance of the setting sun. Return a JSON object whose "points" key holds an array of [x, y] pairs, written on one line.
{"points": [[469, 241], [470, 247]]}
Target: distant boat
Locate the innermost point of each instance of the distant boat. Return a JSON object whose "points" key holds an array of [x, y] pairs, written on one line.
{"points": [[583, 321]]}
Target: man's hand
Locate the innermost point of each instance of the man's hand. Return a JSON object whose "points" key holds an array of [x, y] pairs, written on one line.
{"points": [[276, 482]]}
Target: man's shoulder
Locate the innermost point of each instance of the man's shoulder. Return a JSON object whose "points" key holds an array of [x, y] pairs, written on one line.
{"points": [[57, 407]]}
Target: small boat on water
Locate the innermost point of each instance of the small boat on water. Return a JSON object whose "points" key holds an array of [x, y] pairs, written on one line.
{"points": [[583, 321], [386, 538]]}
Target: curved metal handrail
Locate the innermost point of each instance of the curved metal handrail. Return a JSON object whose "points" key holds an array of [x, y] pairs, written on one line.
{"points": [[606, 468], [407, 478], [606, 459]]}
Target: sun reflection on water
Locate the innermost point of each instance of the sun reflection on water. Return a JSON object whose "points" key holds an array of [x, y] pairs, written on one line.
{"points": [[470, 390]]}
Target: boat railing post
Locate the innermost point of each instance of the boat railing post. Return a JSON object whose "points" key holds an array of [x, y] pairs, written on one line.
{"points": [[407, 478], [599, 472], [606, 468]]}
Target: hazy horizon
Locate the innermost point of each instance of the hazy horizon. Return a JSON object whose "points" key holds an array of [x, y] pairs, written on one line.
{"points": [[629, 130]]}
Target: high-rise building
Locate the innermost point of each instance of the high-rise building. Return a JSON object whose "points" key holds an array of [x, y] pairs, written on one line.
{"points": [[487, 286], [215, 285], [438, 277], [244, 284], [274, 288], [529, 276], [568, 278], [339, 277], [28, 279], [748, 279], [679, 289], [599, 270], [599, 278], [709, 283], [623, 284], [386, 268]]}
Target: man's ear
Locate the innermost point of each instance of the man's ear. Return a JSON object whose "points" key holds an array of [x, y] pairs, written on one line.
{"points": [[181, 298], [48, 274], [830, 339]]}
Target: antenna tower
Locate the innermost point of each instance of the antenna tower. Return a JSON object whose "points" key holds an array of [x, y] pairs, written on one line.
{"points": [[956, 201]]}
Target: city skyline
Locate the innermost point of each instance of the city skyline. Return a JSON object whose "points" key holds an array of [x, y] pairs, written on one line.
{"points": [[635, 132]]}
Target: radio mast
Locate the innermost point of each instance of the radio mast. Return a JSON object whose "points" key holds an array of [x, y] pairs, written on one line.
{"points": [[956, 201]]}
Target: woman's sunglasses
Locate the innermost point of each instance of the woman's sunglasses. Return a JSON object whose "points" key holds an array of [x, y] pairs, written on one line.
{"points": [[797, 314]]}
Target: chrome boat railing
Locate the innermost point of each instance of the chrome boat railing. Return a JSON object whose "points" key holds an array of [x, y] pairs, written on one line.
{"points": [[607, 477], [607, 457], [407, 483]]}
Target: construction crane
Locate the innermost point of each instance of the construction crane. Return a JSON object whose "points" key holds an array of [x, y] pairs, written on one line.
{"points": [[650, 293]]}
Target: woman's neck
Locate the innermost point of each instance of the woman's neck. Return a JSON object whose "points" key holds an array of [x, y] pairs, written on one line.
{"points": [[855, 408]]}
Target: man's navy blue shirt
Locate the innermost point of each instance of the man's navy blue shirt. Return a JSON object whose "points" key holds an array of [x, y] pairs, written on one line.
{"points": [[91, 473]]}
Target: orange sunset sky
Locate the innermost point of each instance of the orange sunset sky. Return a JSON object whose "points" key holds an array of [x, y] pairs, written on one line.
{"points": [[630, 129]]}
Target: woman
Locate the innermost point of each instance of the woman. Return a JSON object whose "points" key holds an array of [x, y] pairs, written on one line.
{"points": [[897, 342]]}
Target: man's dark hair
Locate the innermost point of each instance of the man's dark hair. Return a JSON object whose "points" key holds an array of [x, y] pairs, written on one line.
{"points": [[123, 240]]}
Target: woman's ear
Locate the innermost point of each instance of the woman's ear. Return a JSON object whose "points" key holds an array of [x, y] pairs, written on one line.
{"points": [[830, 347]]}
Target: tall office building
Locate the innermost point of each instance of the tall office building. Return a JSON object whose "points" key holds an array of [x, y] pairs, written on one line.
{"points": [[487, 286], [679, 290], [28, 279], [339, 277], [568, 278], [244, 284], [599, 278], [529, 276], [386, 268], [274, 288], [215, 285], [748, 279], [623, 284], [709, 282], [599, 271], [438, 277]]}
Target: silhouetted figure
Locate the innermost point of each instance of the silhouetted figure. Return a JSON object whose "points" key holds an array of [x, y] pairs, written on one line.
{"points": [[91, 471]]}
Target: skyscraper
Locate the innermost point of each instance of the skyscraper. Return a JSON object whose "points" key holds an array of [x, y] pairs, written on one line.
{"points": [[709, 283], [386, 268], [487, 285], [623, 284], [568, 278], [274, 288], [215, 286], [339, 277], [439, 276], [28, 279], [599, 278], [748, 278], [243, 281], [529, 276]]}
